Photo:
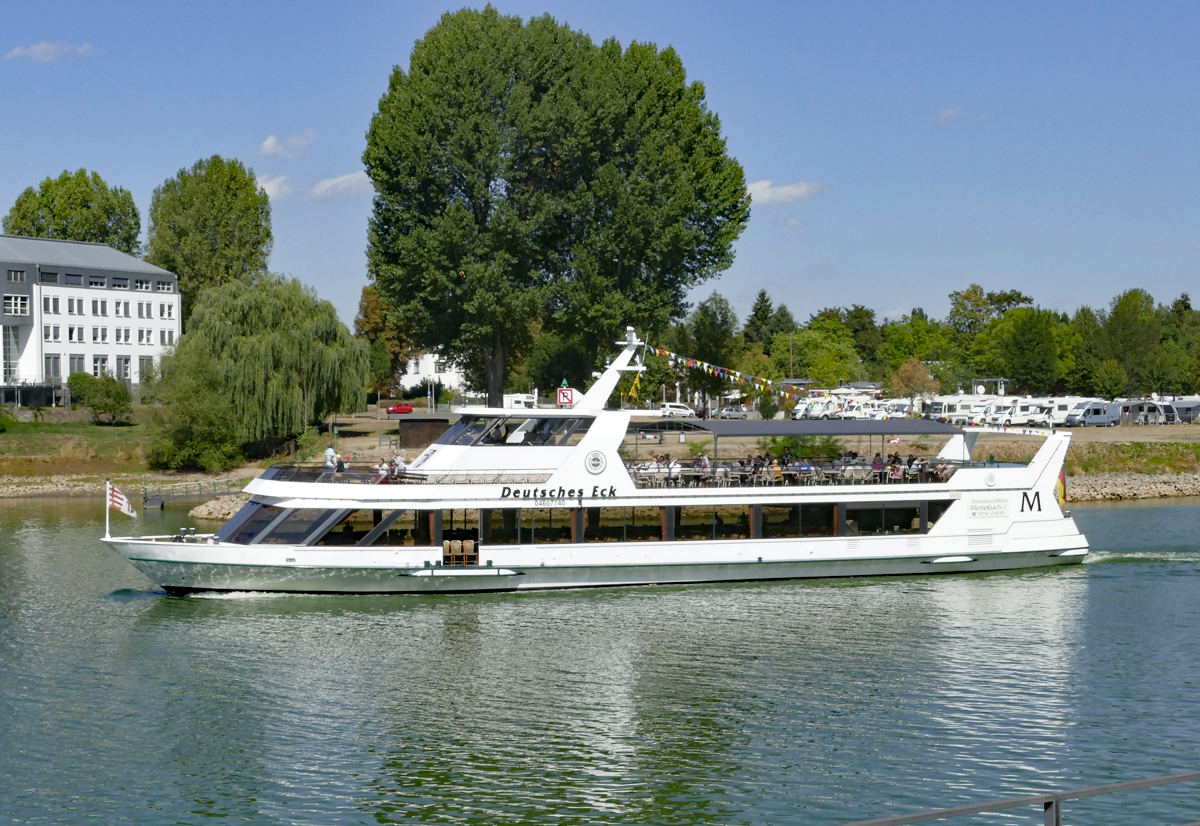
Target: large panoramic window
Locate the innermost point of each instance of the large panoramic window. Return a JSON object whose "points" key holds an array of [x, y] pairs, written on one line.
{"points": [[253, 525], [695, 522], [297, 526], [781, 522], [818, 520]]}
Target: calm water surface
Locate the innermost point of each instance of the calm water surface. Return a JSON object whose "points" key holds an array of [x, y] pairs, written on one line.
{"points": [[807, 702]]}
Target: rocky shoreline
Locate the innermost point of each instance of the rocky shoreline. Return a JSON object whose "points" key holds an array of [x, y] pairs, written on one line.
{"points": [[1097, 486]]}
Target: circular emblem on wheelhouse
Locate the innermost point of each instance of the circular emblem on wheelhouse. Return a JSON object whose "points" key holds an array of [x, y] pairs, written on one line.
{"points": [[595, 462]]}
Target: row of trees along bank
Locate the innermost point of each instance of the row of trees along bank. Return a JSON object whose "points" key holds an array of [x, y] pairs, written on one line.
{"points": [[1132, 346], [262, 360]]}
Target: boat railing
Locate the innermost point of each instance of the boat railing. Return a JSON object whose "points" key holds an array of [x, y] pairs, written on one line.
{"points": [[361, 474], [733, 474], [1051, 802]]}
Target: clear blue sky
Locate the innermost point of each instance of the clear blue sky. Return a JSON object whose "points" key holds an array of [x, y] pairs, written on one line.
{"points": [[1051, 148]]}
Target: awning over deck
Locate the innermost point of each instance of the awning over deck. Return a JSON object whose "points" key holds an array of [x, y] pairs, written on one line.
{"points": [[804, 427]]}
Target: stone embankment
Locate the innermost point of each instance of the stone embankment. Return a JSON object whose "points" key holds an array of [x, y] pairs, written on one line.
{"points": [[1132, 486], [15, 486], [221, 508]]}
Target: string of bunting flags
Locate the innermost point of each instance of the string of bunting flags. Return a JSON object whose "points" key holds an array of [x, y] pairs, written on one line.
{"points": [[717, 371]]}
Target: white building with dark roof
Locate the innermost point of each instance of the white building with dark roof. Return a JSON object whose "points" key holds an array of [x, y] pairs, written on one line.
{"points": [[71, 306]]}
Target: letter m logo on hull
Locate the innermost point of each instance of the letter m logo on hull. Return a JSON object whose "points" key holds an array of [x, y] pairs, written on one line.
{"points": [[1031, 503]]}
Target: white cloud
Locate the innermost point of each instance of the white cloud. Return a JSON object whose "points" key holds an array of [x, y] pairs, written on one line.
{"points": [[293, 147], [47, 52], [276, 188], [949, 114], [764, 192], [354, 185]]}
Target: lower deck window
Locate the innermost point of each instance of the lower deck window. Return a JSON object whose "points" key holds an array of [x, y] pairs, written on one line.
{"points": [[297, 526], [818, 520], [937, 509], [256, 524]]}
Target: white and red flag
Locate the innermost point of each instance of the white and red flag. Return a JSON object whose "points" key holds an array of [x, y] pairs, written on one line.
{"points": [[118, 500], [113, 498]]}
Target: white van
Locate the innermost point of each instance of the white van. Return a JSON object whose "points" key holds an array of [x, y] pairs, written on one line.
{"points": [[1015, 412], [670, 409], [526, 401]]}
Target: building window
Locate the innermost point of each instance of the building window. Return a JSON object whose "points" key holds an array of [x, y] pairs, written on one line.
{"points": [[10, 343], [16, 276], [99, 365], [100, 307], [164, 286], [126, 339], [166, 336], [145, 368], [166, 310], [16, 305], [53, 368], [123, 367], [48, 278], [50, 305], [441, 366], [96, 280], [141, 284], [46, 333], [72, 280], [76, 364], [119, 283]]}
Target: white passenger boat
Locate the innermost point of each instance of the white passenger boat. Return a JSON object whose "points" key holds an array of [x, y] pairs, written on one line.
{"points": [[510, 500]]}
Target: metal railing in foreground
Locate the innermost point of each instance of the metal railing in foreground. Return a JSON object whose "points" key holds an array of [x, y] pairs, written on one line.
{"points": [[200, 487], [1051, 802]]}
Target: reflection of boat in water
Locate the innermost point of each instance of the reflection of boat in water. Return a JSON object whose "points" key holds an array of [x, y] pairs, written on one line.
{"points": [[517, 500]]}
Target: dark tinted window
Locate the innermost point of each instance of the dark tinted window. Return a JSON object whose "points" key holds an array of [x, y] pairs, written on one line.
{"points": [[779, 522], [253, 526], [297, 526]]}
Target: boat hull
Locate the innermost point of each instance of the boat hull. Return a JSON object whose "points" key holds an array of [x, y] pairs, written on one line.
{"points": [[183, 576]]}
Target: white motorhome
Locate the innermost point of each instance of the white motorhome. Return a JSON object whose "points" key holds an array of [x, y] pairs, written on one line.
{"points": [[1016, 412], [526, 401], [969, 406]]}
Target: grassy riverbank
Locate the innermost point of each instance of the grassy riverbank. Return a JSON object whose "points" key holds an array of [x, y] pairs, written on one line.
{"points": [[74, 456]]}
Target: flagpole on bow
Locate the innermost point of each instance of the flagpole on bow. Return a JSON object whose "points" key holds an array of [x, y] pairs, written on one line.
{"points": [[107, 508]]}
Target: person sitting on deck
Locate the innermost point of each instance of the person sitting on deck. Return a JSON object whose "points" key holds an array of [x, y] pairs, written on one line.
{"points": [[877, 462], [398, 466], [674, 470], [330, 457]]}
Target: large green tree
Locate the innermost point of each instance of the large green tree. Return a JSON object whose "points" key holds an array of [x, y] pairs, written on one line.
{"points": [[77, 206], [263, 359], [523, 174], [209, 224]]}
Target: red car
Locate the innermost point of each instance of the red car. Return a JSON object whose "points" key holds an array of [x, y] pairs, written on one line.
{"points": [[400, 407]]}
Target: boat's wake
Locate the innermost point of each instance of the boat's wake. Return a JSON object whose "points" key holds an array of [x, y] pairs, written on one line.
{"points": [[1155, 555]]}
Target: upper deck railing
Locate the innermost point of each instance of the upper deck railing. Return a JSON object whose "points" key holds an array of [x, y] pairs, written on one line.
{"points": [[362, 474]]}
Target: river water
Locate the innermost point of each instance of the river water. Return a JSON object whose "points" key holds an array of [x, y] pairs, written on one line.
{"points": [[805, 702]]}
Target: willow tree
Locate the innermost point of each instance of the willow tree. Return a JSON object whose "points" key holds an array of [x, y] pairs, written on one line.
{"points": [[524, 175], [269, 358], [77, 206]]}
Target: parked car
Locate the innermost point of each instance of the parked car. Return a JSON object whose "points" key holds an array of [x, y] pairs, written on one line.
{"points": [[401, 407], [734, 411], [669, 409]]}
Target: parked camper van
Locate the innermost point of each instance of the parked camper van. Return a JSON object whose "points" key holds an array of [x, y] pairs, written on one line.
{"points": [[1016, 412], [526, 401], [1094, 414]]}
